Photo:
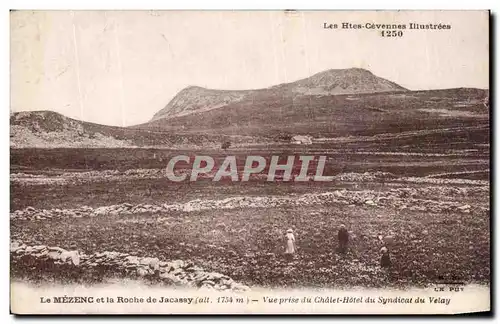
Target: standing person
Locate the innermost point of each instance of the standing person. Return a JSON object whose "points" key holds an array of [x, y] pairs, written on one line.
{"points": [[290, 244], [385, 259], [343, 236]]}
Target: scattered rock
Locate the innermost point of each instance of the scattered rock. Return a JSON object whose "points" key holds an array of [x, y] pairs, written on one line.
{"points": [[370, 203]]}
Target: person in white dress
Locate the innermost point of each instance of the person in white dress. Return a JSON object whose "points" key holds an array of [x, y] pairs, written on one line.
{"points": [[290, 243]]}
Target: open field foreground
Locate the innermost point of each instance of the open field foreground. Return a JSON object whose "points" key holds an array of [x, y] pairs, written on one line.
{"points": [[133, 223]]}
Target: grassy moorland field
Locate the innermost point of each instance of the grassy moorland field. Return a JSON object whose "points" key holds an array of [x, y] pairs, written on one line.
{"points": [[247, 244], [439, 222]]}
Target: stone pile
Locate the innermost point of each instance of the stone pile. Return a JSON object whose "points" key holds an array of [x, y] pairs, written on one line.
{"points": [[400, 198], [176, 272]]}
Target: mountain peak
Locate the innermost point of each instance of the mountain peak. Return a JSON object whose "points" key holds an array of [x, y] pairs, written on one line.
{"points": [[344, 81], [349, 70], [344, 72], [193, 88]]}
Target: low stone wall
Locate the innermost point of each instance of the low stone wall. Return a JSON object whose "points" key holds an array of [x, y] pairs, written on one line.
{"points": [[63, 178], [399, 198], [177, 272]]}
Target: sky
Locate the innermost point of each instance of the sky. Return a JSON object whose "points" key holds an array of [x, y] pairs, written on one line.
{"points": [[121, 67]]}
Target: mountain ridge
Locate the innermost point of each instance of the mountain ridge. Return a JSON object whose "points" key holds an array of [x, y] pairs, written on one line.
{"points": [[331, 104], [330, 82]]}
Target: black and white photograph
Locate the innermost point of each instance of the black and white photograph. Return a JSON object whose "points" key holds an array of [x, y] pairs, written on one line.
{"points": [[249, 162]]}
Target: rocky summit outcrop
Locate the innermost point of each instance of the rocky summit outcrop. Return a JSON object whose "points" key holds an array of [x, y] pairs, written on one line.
{"points": [[176, 272]]}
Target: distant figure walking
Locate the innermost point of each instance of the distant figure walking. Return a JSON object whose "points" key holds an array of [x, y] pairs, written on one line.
{"points": [[290, 244], [343, 236], [385, 259]]}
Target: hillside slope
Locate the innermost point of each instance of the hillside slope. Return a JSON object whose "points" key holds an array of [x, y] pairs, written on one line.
{"points": [[270, 114], [331, 82], [46, 129]]}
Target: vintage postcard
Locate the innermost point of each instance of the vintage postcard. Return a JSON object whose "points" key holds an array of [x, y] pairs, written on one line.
{"points": [[250, 162]]}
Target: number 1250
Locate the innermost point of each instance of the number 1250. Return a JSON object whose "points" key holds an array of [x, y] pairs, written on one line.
{"points": [[392, 33]]}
